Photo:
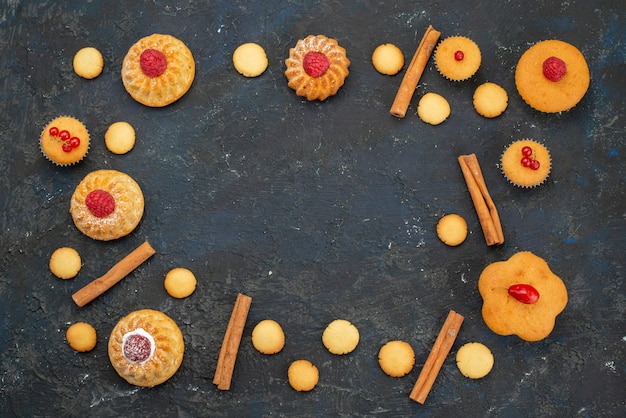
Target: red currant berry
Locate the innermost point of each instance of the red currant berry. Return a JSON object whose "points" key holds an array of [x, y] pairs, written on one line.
{"points": [[527, 151], [526, 161], [54, 131], [534, 164], [64, 135], [459, 55], [66, 147], [74, 142]]}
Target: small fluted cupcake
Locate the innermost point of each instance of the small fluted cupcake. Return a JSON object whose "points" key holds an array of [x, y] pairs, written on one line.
{"points": [[64, 141], [457, 58], [526, 163]]}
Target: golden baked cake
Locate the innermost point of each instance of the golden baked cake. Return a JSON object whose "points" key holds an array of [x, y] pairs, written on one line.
{"points": [[158, 70], [317, 67], [146, 347], [107, 204], [552, 76], [526, 163], [64, 141], [521, 296], [457, 58]]}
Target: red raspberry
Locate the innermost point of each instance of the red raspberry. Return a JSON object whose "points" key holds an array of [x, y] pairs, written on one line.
{"points": [[315, 64], [100, 203], [153, 63], [137, 348], [554, 69]]}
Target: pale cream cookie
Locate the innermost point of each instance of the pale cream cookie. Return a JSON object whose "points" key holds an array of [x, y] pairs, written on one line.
{"points": [[452, 229], [180, 283], [387, 59], [490, 100], [81, 336], [340, 337], [303, 375], [120, 138], [88, 63], [433, 108], [396, 358], [250, 59], [268, 337], [65, 263], [474, 360]]}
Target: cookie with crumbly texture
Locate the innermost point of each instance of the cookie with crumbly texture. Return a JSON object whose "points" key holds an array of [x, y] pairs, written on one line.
{"points": [[88, 63], [268, 337], [452, 229], [433, 108], [490, 100], [340, 337], [120, 137], [250, 59], [474, 360], [457, 58], [65, 263], [388, 59], [303, 375], [180, 283], [81, 336], [396, 358]]}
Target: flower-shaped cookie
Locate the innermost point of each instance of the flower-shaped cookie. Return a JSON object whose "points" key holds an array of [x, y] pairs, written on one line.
{"points": [[506, 312]]}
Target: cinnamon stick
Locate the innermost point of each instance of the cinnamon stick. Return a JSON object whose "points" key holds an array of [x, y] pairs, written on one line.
{"points": [[437, 356], [414, 72], [230, 345], [114, 275], [485, 208]]}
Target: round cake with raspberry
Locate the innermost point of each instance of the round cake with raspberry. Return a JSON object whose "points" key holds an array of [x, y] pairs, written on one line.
{"points": [[317, 67], [106, 205], [158, 70], [64, 141], [146, 347], [526, 163]]}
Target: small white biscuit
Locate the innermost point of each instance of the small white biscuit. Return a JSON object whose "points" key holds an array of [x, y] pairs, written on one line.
{"points": [[88, 63]]}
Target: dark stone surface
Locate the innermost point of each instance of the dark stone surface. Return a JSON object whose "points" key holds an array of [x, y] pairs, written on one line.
{"points": [[317, 211]]}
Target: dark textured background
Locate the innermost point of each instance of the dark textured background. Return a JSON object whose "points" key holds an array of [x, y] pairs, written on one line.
{"points": [[316, 210]]}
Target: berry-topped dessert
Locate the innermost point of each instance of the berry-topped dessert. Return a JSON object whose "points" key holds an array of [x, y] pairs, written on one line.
{"points": [[146, 347], [158, 70], [317, 67], [552, 76], [526, 163], [521, 296], [107, 204], [64, 141], [457, 58]]}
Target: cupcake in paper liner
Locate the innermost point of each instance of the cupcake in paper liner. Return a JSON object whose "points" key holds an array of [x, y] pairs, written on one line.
{"points": [[526, 163], [457, 58], [64, 141]]}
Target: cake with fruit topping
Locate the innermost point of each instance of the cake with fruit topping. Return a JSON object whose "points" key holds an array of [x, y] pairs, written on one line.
{"points": [[64, 141], [552, 76], [457, 58], [158, 70], [526, 163], [146, 347], [317, 67], [107, 204]]}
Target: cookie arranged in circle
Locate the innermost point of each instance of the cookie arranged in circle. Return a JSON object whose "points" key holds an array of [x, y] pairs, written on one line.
{"points": [[452, 229], [474, 360], [88, 63], [490, 100], [388, 59], [268, 337], [65, 263], [396, 358], [120, 137], [303, 375], [250, 59], [340, 337], [433, 108], [180, 283], [81, 336]]}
